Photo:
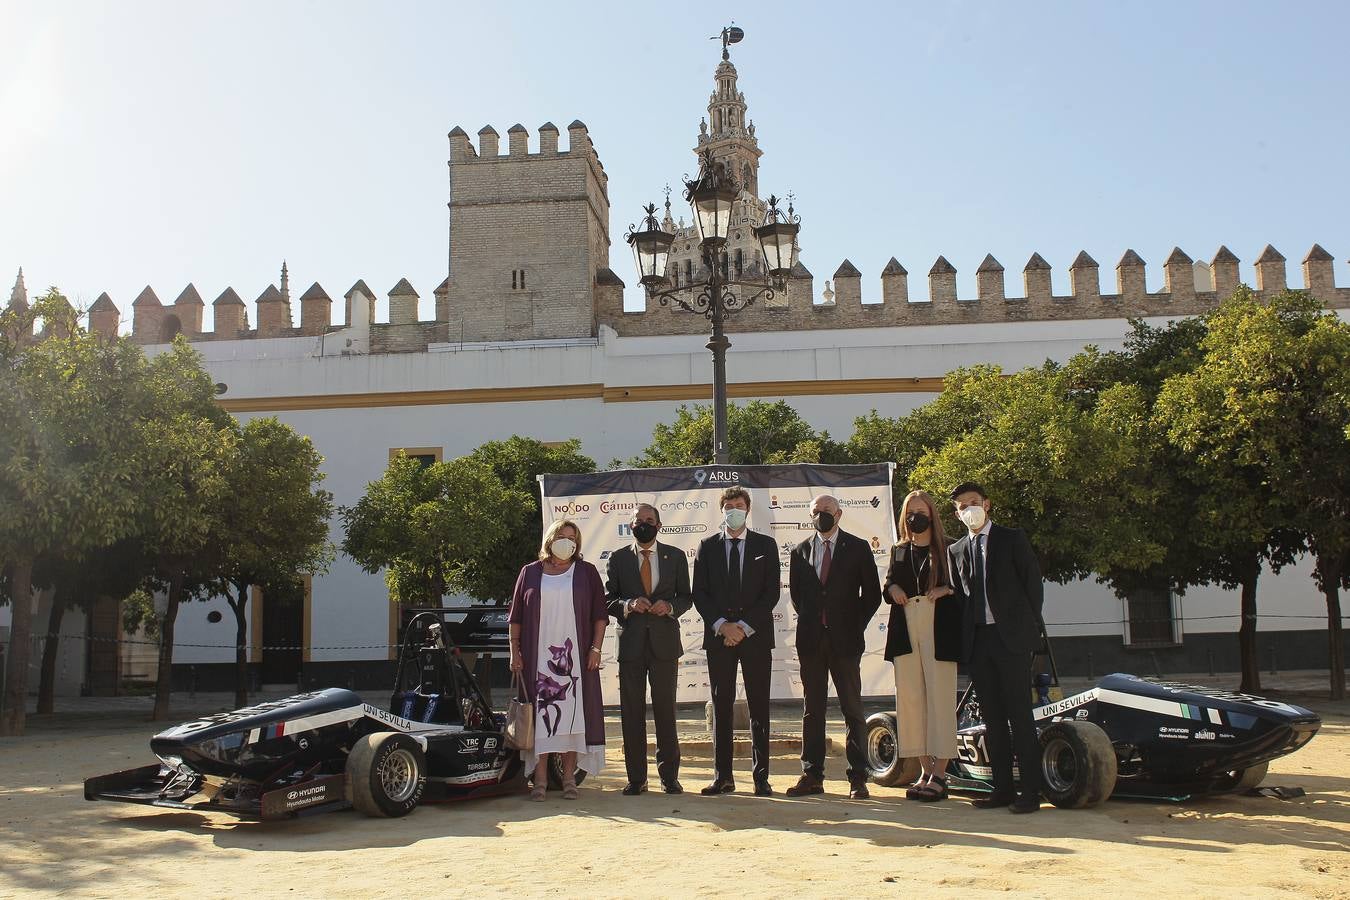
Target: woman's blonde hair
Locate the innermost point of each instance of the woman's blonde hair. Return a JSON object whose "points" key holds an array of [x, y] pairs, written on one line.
{"points": [[551, 532], [937, 548]]}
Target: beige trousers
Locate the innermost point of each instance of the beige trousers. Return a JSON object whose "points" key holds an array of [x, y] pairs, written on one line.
{"points": [[925, 691]]}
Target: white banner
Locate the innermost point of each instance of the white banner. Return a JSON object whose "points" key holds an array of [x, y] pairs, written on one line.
{"points": [[602, 505]]}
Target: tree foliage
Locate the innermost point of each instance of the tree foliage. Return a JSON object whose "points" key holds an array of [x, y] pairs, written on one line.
{"points": [[69, 458], [274, 526], [1268, 408], [427, 525], [758, 433], [518, 462]]}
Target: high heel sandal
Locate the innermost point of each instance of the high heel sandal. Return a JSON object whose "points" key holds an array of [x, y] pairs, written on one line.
{"points": [[934, 790]]}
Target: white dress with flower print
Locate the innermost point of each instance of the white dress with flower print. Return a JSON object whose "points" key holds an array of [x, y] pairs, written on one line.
{"points": [[560, 718]]}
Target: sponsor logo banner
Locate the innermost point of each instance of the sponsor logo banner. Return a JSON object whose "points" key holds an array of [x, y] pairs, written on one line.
{"points": [[603, 503]]}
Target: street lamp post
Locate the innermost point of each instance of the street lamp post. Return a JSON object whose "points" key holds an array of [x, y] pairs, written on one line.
{"points": [[713, 195]]}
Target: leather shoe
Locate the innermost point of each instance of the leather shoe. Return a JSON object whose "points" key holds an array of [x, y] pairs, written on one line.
{"points": [[632, 790], [806, 785], [993, 801], [762, 789], [1025, 805], [672, 787], [719, 786], [859, 791]]}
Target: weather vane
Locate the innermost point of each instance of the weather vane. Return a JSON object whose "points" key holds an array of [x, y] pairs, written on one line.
{"points": [[730, 35]]}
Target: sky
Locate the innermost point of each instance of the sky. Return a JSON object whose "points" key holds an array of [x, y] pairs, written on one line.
{"points": [[163, 143]]}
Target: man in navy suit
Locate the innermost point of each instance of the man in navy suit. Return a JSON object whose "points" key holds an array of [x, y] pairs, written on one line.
{"points": [[736, 587], [999, 581]]}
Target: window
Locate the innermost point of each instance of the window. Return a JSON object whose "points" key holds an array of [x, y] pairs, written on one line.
{"points": [[740, 262], [688, 271], [517, 279], [1151, 618], [424, 455]]}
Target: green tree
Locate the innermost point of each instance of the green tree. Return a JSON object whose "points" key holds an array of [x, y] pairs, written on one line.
{"points": [[274, 521], [426, 525], [186, 442], [1269, 406], [1214, 524], [68, 458], [969, 397], [1053, 465], [758, 433], [518, 462]]}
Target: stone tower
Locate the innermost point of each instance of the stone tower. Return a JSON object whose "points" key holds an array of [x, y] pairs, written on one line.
{"points": [[727, 133], [529, 236]]}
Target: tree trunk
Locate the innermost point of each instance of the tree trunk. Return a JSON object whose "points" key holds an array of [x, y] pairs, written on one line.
{"points": [[164, 677], [1331, 581], [47, 684], [1251, 668], [240, 647], [14, 708]]}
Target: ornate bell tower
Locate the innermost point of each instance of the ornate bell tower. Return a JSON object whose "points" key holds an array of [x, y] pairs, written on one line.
{"points": [[727, 132]]}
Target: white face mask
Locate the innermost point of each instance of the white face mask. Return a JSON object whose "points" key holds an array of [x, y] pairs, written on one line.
{"points": [[734, 518], [563, 548], [973, 516]]}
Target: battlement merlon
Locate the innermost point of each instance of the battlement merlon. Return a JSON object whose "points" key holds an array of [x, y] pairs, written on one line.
{"points": [[579, 144], [1190, 288]]}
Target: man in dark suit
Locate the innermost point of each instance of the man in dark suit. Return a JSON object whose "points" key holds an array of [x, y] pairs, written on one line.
{"points": [[736, 587], [647, 585], [835, 590], [999, 580]]}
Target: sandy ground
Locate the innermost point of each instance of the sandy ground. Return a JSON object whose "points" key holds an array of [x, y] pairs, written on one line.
{"points": [[605, 844]]}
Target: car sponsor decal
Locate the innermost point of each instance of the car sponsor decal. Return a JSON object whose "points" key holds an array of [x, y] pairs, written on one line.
{"points": [[1163, 707], [1059, 707]]}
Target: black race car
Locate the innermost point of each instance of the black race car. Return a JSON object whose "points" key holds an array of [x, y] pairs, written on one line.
{"points": [[439, 740], [1126, 737]]}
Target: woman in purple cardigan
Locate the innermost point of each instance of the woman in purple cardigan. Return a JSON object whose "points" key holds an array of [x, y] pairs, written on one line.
{"points": [[558, 620]]}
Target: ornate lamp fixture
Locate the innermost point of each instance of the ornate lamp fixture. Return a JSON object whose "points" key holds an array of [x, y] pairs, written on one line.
{"points": [[712, 196]]}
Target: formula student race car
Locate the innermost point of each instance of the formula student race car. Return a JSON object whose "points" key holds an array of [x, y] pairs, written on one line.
{"points": [[1126, 737], [439, 740]]}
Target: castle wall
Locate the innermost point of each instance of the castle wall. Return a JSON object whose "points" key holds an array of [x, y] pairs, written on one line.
{"points": [[939, 305]]}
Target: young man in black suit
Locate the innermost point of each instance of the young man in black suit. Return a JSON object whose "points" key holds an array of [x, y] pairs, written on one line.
{"points": [[647, 585], [736, 587], [999, 580], [835, 590]]}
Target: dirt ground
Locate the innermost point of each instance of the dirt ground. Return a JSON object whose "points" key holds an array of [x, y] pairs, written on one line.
{"points": [[608, 845]]}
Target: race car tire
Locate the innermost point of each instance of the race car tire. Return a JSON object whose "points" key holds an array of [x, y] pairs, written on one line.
{"points": [[880, 742], [1244, 780], [386, 774], [1078, 764]]}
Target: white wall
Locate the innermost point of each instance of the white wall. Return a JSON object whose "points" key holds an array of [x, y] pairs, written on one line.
{"points": [[350, 606]]}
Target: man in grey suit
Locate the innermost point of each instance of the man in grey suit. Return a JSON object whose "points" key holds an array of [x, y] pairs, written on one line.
{"points": [[647, 585]]}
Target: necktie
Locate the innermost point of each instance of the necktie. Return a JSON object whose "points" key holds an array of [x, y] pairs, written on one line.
{"points": [[977, 579], [824, 577], [734, 570], [646, 572]]}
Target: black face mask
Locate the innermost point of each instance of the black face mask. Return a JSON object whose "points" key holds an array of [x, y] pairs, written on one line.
{"points": [[645, 532], [917, 522], [823, 521]]}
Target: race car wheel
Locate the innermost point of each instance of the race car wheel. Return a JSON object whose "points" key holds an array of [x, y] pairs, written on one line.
{"points": [[1244, 780], [1078, 764], [386, 773], [880, 743]]}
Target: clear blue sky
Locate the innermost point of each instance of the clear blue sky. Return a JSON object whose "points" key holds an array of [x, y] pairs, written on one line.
{"points": [[164, 143]]}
